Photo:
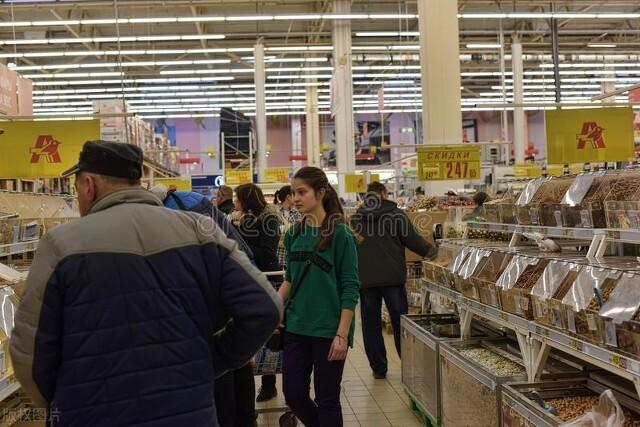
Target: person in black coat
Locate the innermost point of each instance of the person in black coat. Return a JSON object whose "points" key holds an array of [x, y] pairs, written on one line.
{"points": [[260, 226], [384, 231]]}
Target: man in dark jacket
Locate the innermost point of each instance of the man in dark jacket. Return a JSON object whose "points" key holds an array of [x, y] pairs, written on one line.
{"points": [[117, 323], [384, 231], [234, 408], [224, 199]]}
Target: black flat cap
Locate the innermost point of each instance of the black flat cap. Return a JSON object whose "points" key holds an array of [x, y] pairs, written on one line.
{"points": [[110, 159]]}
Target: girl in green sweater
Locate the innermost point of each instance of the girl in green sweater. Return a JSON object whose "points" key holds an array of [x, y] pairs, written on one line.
{"points": [[322, 280]]}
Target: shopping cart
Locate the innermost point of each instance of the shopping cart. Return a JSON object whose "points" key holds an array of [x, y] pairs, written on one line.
{"points": [[267, 362]]}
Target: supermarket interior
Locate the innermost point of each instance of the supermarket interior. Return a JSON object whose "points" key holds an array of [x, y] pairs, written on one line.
{"points": [[435, 204]]}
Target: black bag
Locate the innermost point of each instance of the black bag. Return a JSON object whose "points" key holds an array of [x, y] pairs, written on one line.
{"points": [[275, 343]]}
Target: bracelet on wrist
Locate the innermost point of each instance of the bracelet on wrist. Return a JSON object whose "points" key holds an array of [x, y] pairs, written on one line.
{"points": [[341, 337]]}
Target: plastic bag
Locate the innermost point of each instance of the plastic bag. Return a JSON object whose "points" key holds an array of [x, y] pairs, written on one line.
{"points": [[607, 413]]}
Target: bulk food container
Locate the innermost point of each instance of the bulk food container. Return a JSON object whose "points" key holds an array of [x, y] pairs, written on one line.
{"points": [[9, 229], [522, 205], [456, 263], [549, 291], [502, 210], [591, 289], [421, 336], [487, 274], [435, 270], [545, 207], [583, 205], [462, 278], [522, 402], [516, 282], [622, 205], [472, 374], [622, 316]]}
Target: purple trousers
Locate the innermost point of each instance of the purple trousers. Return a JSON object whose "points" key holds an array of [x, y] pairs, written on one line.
{"points": [[303, 355]]}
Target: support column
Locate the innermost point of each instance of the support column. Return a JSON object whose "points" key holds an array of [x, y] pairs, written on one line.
{"points": [[519, 117], [343, 94], [313, 127], [261, 110], [296, 141], [440, 64]]}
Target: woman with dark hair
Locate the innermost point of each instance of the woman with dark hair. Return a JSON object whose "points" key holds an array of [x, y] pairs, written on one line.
{"points": [[284, 199], [260, 226], [321, 289]]}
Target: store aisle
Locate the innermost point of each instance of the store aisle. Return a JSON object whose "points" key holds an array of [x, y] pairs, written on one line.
{"points": [[365, 400]]}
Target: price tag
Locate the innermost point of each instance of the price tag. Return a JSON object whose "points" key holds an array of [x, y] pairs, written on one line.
{"points": [[615, 360], [633, 219], [504, 316], [573, 344]]}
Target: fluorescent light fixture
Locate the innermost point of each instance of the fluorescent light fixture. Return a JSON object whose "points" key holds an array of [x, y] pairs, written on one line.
{"points": [[152, 20], [301, 17], [602, 45], [111, 39], [250, 18], [339, 16], [388, 34], [483, 46]]}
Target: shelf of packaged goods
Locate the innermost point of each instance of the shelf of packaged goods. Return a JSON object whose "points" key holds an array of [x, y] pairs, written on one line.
{"points": [[9, 390], [619, 235], [575, 233], [487, 312], [18, 248], [597, 355], [536, 340]]}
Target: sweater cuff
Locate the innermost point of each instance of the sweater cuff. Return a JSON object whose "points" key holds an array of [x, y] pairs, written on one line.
{"points": [[349, 305]]}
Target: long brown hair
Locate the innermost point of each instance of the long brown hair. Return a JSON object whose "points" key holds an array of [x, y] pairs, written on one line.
{"points": [[317, 180], [251, 198]]}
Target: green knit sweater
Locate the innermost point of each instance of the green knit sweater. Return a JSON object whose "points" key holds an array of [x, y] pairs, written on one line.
{"points": [[330, 285]]}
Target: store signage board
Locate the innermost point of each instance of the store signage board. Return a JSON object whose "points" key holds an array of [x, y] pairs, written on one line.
{"points": [[180, 184], [355, 183], [448, 162], [43, 149], [277, 175], [589, 135], [237, 177], [206, 181]]}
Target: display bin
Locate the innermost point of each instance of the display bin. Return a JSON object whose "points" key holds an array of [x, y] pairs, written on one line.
{"points": [[549, 291], [522, 205], [621, 315], [516, 283], [471, 390], [9, 230], [486, 275], [421, 336], [570, 398], [462, 279], [508, 213], [588, 211], [622, 202], [435, 270], [544, 208], [492, 211], [591, 289], [454, 266]]}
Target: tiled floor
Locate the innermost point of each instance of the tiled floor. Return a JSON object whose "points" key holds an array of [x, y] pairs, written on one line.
{"points": [[365, 400]]}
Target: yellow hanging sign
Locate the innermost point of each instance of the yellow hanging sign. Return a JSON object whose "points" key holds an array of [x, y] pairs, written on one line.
{"points": [[448, 162], [277, 175], [237, 177], [589, 135], [355, 183], [43, 149], [180, 184]]}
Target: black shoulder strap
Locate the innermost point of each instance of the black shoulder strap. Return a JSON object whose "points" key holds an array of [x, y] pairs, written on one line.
{"points": [[172, 194], [296, 286]]}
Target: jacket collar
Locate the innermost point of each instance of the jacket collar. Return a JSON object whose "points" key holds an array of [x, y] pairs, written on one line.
{"points": [[128, 195]]}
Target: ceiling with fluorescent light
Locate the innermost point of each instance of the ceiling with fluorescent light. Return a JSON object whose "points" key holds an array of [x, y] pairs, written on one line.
{"points": [[193, 57]]}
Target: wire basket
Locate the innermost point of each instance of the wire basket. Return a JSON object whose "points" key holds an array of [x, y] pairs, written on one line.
{"points": [[267, 362]]}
